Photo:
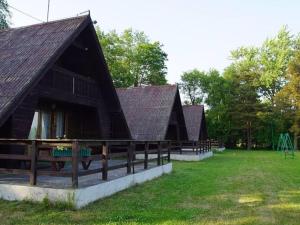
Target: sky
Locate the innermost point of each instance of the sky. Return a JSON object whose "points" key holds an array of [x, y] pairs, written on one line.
{"points": [[195, 33]]}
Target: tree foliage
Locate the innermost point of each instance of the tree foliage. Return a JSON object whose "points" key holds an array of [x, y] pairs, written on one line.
{"points": [[133, 59], [288, 98], [190, 83], [4, 14], [257, 96]]}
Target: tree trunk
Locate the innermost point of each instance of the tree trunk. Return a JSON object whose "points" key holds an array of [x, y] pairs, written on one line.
{"points": [[296, 141], [249, 137]]}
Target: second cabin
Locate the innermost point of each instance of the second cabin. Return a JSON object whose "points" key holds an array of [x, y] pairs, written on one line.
{"points": [[153, 112]]}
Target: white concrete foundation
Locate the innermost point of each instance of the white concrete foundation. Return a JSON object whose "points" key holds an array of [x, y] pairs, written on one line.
{"points": [[181, 157], [82, 196], [191, 157], [220, 149]]}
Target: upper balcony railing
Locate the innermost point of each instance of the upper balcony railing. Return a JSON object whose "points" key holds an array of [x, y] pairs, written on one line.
{"points": [[71, 83]]}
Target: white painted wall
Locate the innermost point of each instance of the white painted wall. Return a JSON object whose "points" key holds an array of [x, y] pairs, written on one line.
{"points": [[82, 196]]}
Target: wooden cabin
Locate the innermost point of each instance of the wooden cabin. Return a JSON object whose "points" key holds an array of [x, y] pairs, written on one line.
{"points": [[194, 116], [153, 112], [55, 83]]}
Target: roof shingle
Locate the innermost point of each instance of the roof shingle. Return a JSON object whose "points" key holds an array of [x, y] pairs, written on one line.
{"points": [[147, 110], [193, 115]]}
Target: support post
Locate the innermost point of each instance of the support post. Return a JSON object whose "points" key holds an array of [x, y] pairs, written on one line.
{"points": [[146, 155], [104, 161], [169, 151], [133, 158], [129, 157], [207, 145], [158, 153], [180, 147], [33, 163], [75, 152], [197, 147], [200, 146]]}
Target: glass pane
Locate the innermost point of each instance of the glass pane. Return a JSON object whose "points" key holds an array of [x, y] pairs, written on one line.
{"points": [[59, 124], [46, 122], [34, 126]]}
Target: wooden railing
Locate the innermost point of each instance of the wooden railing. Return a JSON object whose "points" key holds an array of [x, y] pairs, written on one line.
{"points": [[196, 147], [216, 144], [104, 151]]}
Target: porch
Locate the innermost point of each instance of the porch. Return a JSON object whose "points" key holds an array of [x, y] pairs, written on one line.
{"points": [[111, 167], [187, 150]]}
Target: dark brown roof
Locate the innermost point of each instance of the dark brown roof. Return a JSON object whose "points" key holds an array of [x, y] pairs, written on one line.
{"points": [[195, 121], [148, 110], [26, 52]]}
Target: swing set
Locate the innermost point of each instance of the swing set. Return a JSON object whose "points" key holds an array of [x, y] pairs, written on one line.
{"points": [[285, 145]]}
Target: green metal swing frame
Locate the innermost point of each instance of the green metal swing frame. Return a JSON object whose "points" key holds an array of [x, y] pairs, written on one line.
{"points": [[285, 145]]}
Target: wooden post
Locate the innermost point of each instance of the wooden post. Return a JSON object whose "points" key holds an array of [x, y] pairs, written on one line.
{"points": [[133, 157], [197, 147], [104, 160], [169, 151], [180, 147], [162, 151], [200, 146], [129, 157], [33, 163], [206, 144], [158, 153], [75, 152], [146, 155]]}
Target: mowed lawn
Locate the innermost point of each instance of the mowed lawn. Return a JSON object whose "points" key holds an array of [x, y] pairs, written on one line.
{"points": [[234, 187]]}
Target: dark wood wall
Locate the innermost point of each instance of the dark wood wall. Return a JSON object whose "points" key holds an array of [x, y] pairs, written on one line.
{"points": [[176, 127], [80, 80], [80, 97]]}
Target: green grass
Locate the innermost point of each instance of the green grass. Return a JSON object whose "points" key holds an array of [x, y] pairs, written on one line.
{"points": [[235, 187]]}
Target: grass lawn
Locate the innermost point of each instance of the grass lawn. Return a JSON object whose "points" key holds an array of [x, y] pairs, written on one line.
{"points": [[234, 187]]}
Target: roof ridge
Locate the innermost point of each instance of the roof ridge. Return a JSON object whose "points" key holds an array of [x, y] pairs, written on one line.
{"points": [[44, 23], [148, 86], [193, 105]]}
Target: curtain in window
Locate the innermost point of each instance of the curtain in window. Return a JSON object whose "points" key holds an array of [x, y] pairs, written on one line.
{"points": [[46, 123], [34, 126], [59, 125]]}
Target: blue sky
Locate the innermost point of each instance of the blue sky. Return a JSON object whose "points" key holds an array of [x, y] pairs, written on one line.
{"points": [[195, 33]]}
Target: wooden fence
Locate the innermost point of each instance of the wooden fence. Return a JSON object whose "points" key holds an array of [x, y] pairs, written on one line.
{"points": [[196, 147], [104, 151], [216, 144]]}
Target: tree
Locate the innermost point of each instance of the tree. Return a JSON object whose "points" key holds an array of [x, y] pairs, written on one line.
{"points": [[4, 14], [190, 85], [212, 89], [245, 104], [256, 98], [274, 57], [289, 97], [133, 59], [217, 92]]}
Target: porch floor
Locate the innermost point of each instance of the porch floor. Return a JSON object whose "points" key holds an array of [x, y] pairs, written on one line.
{"points": [[66, 182]]}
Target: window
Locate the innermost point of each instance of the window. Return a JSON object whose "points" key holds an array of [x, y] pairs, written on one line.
{"points": [[47, 125]]}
